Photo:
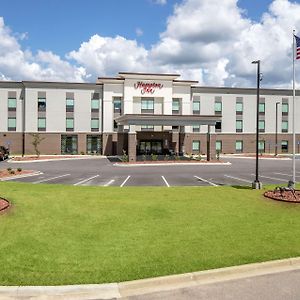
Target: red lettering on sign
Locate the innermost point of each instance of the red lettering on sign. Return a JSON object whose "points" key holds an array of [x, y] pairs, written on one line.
{"points": [[147, 88]]}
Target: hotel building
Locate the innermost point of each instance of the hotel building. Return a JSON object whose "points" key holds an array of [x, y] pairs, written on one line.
{"points": [[143, 113]]}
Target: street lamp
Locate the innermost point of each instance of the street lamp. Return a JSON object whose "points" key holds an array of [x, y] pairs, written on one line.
{"points": [[276, 130], [256, 184]]}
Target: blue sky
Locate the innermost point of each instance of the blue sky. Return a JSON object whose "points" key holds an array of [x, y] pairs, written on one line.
{"points": [[211, 41], [62, 25]]}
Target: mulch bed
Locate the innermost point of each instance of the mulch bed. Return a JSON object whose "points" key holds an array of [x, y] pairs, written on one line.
{"points": [[286, 196], [4, 204], [30, 158], [6, 173]]}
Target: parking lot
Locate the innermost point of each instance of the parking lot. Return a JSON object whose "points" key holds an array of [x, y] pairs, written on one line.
{"points": [[102, 172]]}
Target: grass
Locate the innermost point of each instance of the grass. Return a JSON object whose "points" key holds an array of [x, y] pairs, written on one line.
{"points": [[58, 234]]}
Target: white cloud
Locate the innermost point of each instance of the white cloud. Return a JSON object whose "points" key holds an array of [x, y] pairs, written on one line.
{"points": [[18, 64], [139, 32], [160, 2], [208, 40]]}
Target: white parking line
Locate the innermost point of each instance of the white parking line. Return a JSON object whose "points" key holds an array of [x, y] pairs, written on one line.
{"points": [[290, 175], [204, 180], [86, 180], [237, 178], [109, 183], [166, 182], [125, 181], [273, 178], [52, 178], [21, 176]]}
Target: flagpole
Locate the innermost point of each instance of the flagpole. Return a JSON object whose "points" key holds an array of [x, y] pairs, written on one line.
{"points": [[294, 135]]}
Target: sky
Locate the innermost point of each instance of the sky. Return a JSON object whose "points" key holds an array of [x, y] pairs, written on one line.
{"points": [[211, 41]]}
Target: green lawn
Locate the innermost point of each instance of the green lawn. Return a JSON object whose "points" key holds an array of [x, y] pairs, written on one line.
{"points": [[58, 234]]}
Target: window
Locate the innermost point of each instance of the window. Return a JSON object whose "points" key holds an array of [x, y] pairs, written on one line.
{"points": [[93, 144], [219, 146], [239, 125], [218, 126], [261, 125], [69, 144], [95, 124], [196, 107], [95, 104], [12, 104], [147, 127], [41, 104], [117, 105], [239, 146], [261, 108], [147, 105], [70, 124], [284, 126], [175, 106], [239, 108], [12, 124], [41, 124], [284, 146], [285, 108], [196, 128], [218, 107], [261, 146], [196, 146], [69, 105], [115, 126]]}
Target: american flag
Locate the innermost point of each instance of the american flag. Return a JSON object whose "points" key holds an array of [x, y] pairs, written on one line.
{"points": [[297, 47]]}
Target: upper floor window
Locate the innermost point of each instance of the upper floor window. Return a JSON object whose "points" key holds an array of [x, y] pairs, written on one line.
{"points": [[95, 124], [69, 105], [261, 125], [239, 108], [196, 128], [285, 126], [12, 124], [285, 108], [261, 108], [196, 107], [147, 105], [12, 104], [41, 104], [41, 124], [117, 105], [239, 125], [175, 106], [70, 124], [218, 126], [218, 107], [95, 104]]}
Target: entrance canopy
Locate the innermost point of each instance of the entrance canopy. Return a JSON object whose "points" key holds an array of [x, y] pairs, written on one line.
{"points": [[167, 120]]}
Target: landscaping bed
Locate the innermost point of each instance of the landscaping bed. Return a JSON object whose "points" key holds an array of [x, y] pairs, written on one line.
{"points": [[4, 204], [43, 157], [59, 235], [13, 172]]}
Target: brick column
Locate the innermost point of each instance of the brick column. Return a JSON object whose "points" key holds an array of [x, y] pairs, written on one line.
{"points": [[175, 139], [107, 144], [132, 146], [213, 138]]}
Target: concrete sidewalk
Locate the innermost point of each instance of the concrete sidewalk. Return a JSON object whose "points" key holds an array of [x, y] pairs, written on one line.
{"points": [[148, 286]]}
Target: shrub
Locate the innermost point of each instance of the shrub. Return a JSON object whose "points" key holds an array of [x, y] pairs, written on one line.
{"points": [[177, 157], [166, 157], [218, 154], [154, 156], [8, 169], [82, 153], [144, 157], [199, 157], [19, 169], [124, 157], [12, 172]]}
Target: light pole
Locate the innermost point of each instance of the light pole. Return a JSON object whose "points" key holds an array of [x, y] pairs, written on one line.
{"points": [[256, 184], [276, 130]]}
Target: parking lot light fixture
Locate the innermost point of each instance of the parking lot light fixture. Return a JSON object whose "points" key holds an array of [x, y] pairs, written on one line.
{"points": [[256, 184]]}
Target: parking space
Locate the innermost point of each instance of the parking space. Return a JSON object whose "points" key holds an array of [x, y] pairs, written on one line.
{"points": [[104, 173]]}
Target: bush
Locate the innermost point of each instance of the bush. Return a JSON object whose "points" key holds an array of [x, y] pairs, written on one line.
{"points": [[8, 169], [12, 172], [199, 157], [144, 157], [124, 157], [154, 156], [218, 154], [166, 157], [19, 169], [177, 157], [82, 153]]}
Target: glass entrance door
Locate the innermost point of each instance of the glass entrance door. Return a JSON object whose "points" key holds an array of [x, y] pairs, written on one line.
{"points": [[149, 147]]}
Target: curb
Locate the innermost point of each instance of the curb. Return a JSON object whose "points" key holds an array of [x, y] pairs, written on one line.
{"points": [[146, 286], [170, 164], [54, 159], [21, 176]]}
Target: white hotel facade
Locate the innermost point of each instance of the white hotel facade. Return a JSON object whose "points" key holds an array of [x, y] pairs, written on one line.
{"points": [[143, 113]]}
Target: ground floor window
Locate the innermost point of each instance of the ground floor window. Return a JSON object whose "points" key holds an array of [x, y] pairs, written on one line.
{"points": [[93, 144], [219, 146], [196, 146], [284, 146], [261, 146], [150, 147], [239, 146], [69, 144]]}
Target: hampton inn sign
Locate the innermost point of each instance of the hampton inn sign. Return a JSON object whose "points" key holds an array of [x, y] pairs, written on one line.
{"points": [[147, 88]]}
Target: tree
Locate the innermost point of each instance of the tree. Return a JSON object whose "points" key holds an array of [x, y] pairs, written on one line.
{"points": [[36, 140]]}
